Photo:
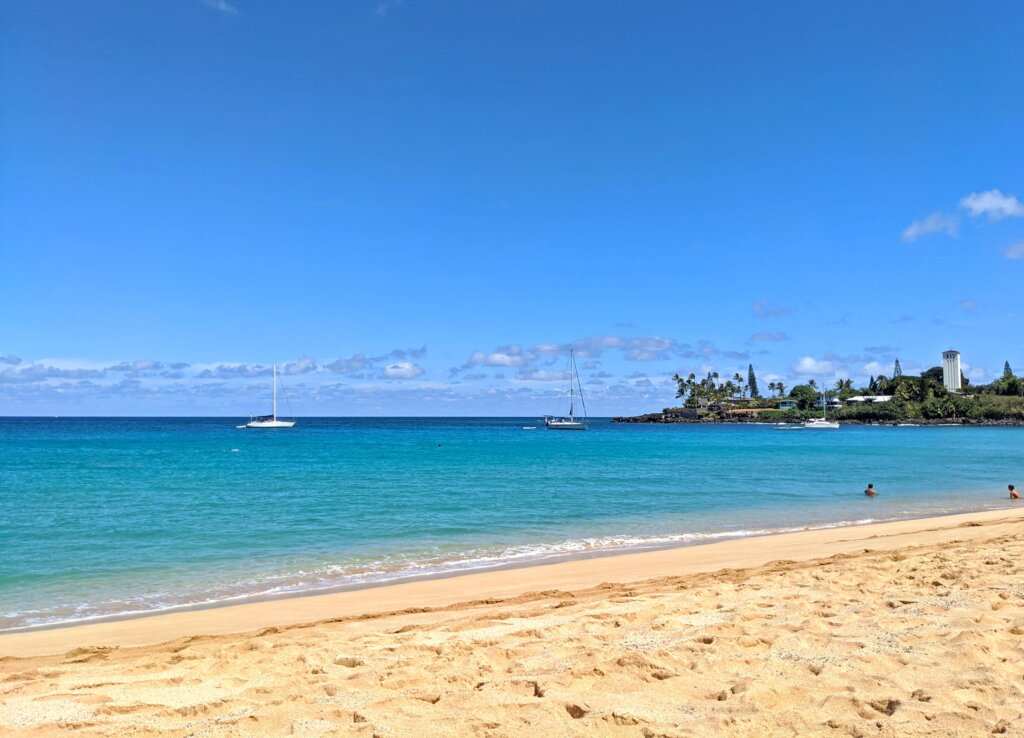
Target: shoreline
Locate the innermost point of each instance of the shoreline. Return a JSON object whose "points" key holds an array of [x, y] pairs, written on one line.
{"points": [[466, 590], [667, 419], [654, 544]]}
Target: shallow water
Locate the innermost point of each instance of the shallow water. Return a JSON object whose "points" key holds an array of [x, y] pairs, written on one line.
{"points": [[103, 517]]}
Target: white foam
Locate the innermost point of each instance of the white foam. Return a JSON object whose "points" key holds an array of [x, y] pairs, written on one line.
{"points": [[333, 576]]}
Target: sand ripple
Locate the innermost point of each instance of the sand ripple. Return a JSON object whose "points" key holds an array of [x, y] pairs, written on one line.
{"points": [[921, 641]]}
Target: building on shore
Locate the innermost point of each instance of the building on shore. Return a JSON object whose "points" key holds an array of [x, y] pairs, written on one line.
{"points": [[868, 399], [951, 370]]}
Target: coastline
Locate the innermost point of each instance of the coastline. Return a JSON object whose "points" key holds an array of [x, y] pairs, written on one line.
{"points": [[670, 419], [464, 591]]}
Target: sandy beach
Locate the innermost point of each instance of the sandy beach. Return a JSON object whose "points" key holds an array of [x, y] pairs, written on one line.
{"points": [[907, 628]]}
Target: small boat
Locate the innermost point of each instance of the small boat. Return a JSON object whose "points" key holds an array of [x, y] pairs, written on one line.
{"points": [[822, 423], [269, 421], [570, 421]]}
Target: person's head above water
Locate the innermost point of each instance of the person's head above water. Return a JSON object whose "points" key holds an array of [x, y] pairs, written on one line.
{"points": [[871, 486]]}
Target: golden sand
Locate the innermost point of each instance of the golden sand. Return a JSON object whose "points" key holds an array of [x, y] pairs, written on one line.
{"points": [[910, 628]]}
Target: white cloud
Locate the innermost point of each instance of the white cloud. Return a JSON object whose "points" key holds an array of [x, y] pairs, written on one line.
{"points": [[402, 370], [638, 348], [932, 224], [993, 204], [351, 365], [1015, 251], [973, 373], [808, 365], [506, 356], [10, 359], [541, 375], [355, 365], [968, 306], [302, 365]]}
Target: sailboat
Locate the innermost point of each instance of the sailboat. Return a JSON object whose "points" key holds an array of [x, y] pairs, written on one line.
{"points": [[270, 421], [822, 423], [571, 422]]}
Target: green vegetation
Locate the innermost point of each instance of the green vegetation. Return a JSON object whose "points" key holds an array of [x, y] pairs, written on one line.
{"points": [[752, 381], [922, 397]]}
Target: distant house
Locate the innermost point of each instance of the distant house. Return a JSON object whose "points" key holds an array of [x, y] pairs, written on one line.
{"points": [[863, 399], [787, 404], [832, 402]]}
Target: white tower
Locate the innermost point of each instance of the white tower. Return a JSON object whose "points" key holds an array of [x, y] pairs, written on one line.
{"points": [[951, 370]]}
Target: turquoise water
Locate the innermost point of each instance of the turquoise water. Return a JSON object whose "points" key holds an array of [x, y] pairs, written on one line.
{"points": [[106, 517]]}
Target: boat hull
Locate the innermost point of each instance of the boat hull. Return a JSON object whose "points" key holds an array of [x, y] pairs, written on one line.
{"points": [[566, 424], [270, 424], [821, 425]]}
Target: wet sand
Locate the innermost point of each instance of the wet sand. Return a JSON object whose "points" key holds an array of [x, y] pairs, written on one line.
{"points": [[907, 628]]}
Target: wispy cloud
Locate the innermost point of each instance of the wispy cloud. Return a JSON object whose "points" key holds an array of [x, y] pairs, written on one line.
{"points": [[968, 306], [512, 355], [139, 365], [385, 7], [302, 365], [517, 356], [993, 204], [357, 365], [934, 223], [765, 309], [222, 5], [42, 371], [10, 359], [1014, 251], [532, 374], [768, 337], [235, 371]]}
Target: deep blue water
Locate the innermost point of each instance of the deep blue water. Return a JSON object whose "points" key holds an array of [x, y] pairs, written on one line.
{"points": [[110, 516]]}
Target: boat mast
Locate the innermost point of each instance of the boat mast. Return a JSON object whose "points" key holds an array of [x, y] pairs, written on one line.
{"points": [[572, 365], [579, 387], [275, 391]]}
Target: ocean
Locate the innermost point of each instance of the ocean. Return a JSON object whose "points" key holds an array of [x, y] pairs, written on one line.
{"points": [[113, 517]]}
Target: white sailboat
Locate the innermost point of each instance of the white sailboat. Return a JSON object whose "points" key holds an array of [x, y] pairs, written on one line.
{"points": [[270, 421], [571, 422], [822, 423]]}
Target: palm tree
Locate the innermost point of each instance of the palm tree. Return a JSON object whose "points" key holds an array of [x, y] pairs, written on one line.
{"points": [[812, 383], [771, 388], [782, 388], [738, 379], [844, 385]]}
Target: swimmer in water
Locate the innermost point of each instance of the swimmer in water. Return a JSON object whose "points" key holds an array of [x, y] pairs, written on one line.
{"points": [[870, 491]]}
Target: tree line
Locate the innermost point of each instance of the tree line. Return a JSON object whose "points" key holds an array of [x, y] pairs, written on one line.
{"points": [[922, 396]]}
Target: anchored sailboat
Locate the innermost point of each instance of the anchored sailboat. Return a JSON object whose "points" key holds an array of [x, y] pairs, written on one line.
{"points": [[270, 421], [822, 423], [571, 422]]}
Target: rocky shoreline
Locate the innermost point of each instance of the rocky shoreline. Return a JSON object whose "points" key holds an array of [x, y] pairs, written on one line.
{"points": [[672, 418]]}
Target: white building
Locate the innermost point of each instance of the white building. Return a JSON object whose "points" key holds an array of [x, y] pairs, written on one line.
{"points": [[951, 370]]}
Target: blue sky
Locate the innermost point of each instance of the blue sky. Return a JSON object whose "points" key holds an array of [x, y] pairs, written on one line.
{"points": [[416, 207]]}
